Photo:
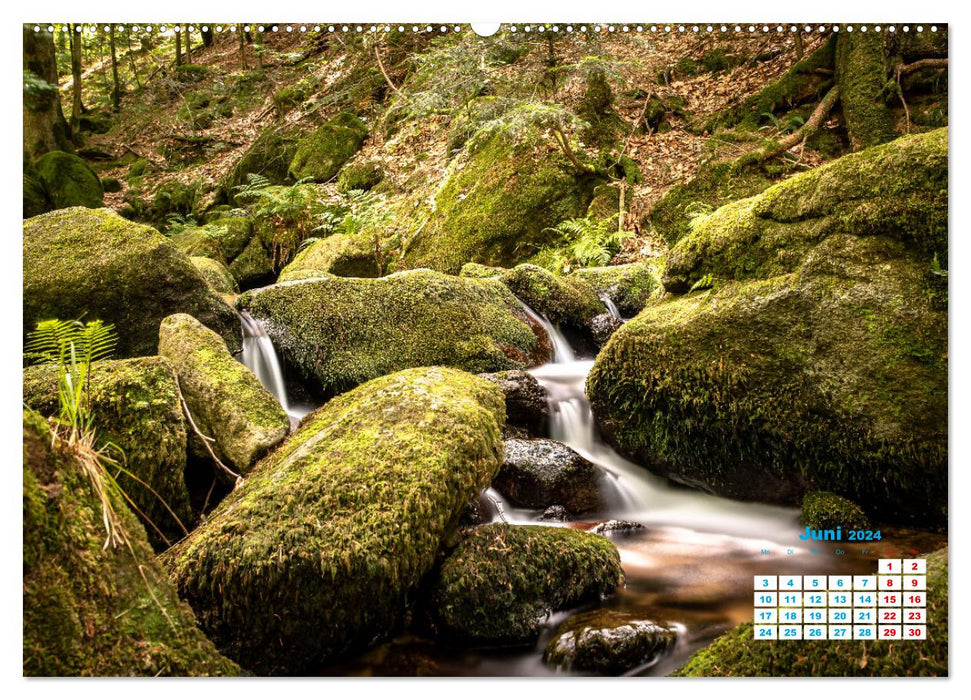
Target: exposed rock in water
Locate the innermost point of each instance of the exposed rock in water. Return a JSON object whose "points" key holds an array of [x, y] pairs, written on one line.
{"points": [[134, 405], [90, 610], [318, 553], [498, 206], [738, 653], [603, 326], [502, 581], [541, 472], [555, 514], [608, 642], [338, 332], [822, 510], [817, 360], [226, 400], [68, 181], [93, 264], [527, 404], [340, 254], [629, 286], [320, 155], [616, 527]]}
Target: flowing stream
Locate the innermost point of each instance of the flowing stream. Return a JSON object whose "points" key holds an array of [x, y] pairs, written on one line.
{"points": [[691, 566]]}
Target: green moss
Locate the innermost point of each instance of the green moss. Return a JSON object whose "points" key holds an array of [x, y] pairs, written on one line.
{"points": [[341, 254], [173, 198], [737, 653], [498, 207], [93, 264], [226, 400], [630, 286], [861, 73], [138, 168], [253, 266], [269, 155], [607, 642], [90, 610], [295, 94], [338, 332], [318, 553], [361, 176], [501, 581], [135, 405], [717, 59], [477, 271], [320, 155], [68, 181], [822, 510], [567, 300], [224, 239], [216, 274], [35, 198], [192, 72]]}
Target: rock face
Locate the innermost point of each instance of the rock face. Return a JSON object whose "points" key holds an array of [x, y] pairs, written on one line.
{"points": [[226, 400], [630, 286], [541, 472], [562, 300], [340, 254], [91, 611], [526, 401], [68, 181], [608, 642], [93, 264], [135, 405], [320, 155], [319, 551], [736, 653], [818, 360], [497, 206], [339, 332], [502, 581]]}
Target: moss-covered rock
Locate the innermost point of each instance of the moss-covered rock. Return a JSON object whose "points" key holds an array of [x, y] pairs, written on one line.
{"points": [[173, 198], [341, 254], [566, 300], [607, 642], [226, 400], [527, 404], [496, 207], [822, 510], [68, 181], [35, 198], [629, 286], [502, 581], [341, 331], [90, 610], [738, 653], [360, 176], [477, 271], [223, 239], [819, 359], [93, 264], [134, 405], [269, 156], [319, 552], [216, 275], [320, 155], [253, 266]]}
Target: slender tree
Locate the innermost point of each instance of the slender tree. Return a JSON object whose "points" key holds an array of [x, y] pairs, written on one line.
{"points": [[77, 104], [242, 45], [178, 46], [115, 85], [258, 47], [188, 43]]}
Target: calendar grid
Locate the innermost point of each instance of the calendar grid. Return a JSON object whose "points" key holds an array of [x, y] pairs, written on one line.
{"points": [[890, 604]]}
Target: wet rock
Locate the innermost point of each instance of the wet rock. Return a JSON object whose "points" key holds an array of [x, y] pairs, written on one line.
{"points": [[555, 514], [541, 472], [608, 642], [321, 549], [616, 527], [603, 326], [526, 400], [502, 581], [629, 286], [569, 301]]}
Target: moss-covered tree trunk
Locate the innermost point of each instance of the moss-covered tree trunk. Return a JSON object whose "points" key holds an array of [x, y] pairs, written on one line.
{"points": [[861, 73], [45, 128]]}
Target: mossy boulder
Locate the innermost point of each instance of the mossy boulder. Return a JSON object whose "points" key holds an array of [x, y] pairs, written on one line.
{"points": [[341, 331], [173, 198], [360, 176], [607, 642], [91, 610], [817, 359], [563, 300], [320, 155], [253, 266], [93, 264], [134, 405], [68, 181], [477, 271], [223, 239], [629, 286], [318, 553], [216, 275], [497, 206], [822, 510], [268, 156], [502, 581], [539, 473], [35, 197], [341, 254], [226, 400], [738, 653]]}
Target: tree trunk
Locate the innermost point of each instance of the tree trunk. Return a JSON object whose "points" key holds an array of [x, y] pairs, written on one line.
{"points": [[861, 73], [131, 61], [188, 44], [207, 38], [45, 128], [77, 105], [178, 48], [242, 45], [258, 41], [115, 86]]}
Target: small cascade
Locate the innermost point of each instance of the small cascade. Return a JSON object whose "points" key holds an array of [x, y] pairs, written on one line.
{"points": [[611, 307], [562, 352], [260, 357]]}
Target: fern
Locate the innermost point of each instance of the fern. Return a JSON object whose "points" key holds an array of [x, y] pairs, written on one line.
{"points": [[585, 243], [706, 282]]}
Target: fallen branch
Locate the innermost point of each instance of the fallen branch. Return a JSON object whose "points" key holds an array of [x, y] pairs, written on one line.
{"points": [[377, 55], [238, 480], [908, 68]]}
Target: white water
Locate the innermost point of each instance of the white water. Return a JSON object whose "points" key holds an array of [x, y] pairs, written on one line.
{"points": [[562, 352], [611, 307]]}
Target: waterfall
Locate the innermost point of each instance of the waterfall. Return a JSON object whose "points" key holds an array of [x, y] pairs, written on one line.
{"points": [[260, 357], [562, 352], [611, 307]]}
